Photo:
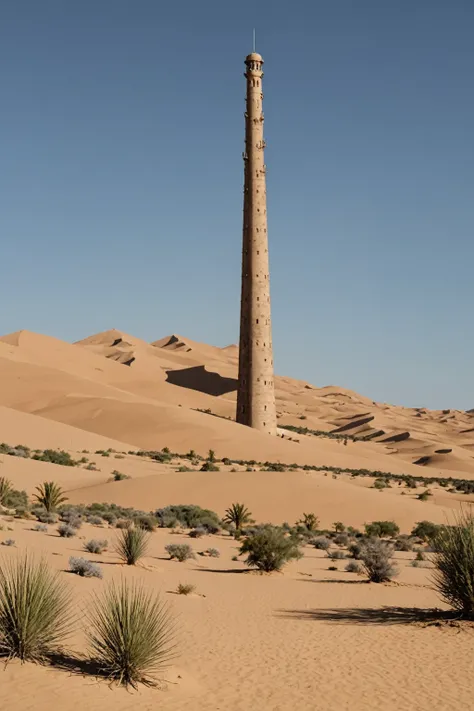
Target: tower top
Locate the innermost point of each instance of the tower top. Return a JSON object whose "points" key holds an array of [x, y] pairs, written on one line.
{"points": [[254, 57]]}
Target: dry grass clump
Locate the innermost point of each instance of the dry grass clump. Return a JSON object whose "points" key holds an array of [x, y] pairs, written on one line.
{"points": [[353, 567], [6, 488], [34, 605], [376, 556], [130, 634], [66, 531], [132, 544], [185, 589], [454, 564], [321, 543], [96, 546], [180, 551]]}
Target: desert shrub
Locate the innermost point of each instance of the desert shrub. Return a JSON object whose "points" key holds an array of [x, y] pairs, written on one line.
{"points": [[8, 542], [269, 549], [66, 531], [274, 467], [132, 544], [426, 530], [34, 610], [91, 467], [146, 521], [184, 468], [420, 556], [188, 516], [50, 495], [322, 543], [381, 484], [56, 457], [197, 532], [310, 521], [130, 634], [339, 527], [382, 529], [44, 516], [342, 539], [404, 543], [72, 517], [17, 500], [353, 567], [185, 589], [454, 565], [122, 523], [84, 568], [180, 551], [376, 557], [5, 490], [41, 528], [425, 495], [209, 467], [238, 515], [235, 557], [332, 567], [95, 520], [96, 546], [212, 552], [354, 550], [119, 476], [336, 555]]}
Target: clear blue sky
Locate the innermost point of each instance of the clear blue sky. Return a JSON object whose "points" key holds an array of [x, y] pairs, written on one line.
{"points": [[121, 180]]}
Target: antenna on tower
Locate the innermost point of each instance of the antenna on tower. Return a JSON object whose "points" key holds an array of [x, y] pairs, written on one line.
{"points": [[254, 39]]}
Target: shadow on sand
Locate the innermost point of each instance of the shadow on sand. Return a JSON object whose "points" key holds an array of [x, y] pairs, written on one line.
{"points": [[371, 615]]}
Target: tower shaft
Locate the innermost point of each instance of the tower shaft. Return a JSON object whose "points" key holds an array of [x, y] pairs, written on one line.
{"points": [[256, 395]]}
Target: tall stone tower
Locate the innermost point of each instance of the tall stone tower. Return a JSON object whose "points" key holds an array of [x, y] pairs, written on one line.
{"points": [[256, 395]]}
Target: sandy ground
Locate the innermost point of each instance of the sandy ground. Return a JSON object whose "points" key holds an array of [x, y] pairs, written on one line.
{"points": [[306, 639]]}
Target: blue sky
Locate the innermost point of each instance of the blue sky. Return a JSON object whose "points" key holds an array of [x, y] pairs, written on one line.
{"points": [[121, 180]]}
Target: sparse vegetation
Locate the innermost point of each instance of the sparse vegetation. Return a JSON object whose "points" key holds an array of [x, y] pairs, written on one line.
{"points": [[84, 568], [119, 476], [6, 488], [269, 549], [34, 610], [322, 543], [130, 634], [310, 521], [212, 552], [8, 542], [41, 528], [425, 495], [56, 457], [353, 567], [426, 530], [132, 544], [382, 529]]}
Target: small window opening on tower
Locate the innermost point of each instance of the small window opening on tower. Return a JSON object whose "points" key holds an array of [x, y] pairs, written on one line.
{"points": [[256, 320]]}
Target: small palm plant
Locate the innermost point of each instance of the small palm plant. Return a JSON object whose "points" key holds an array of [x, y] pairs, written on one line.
{"points": [[34, 606], [132, 544], [50, 495], [130, 634], [5, 490], [238, 514]]}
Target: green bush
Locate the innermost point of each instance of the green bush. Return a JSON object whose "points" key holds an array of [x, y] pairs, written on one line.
{"points": [[209, 467], [426, 530], [185, 589], [310, 521], [34, 610], [6, 489], [130, 634], [269, 549], [188, 516], [132, 544], [17, 500], [56, 457], [382, 529], [454, 565]]}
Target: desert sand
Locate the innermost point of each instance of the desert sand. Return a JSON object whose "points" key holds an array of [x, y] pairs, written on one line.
{"points": [[306, 638]]}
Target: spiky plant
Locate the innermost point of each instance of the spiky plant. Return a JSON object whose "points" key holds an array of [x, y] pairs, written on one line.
{"points": [[34, 610], [5, 490], [130, 634], [454, 564], [238, 514], [50, 495], [132, 544]]}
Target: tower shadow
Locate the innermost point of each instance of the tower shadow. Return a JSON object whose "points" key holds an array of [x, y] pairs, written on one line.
{"points": [[198, 378]]}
